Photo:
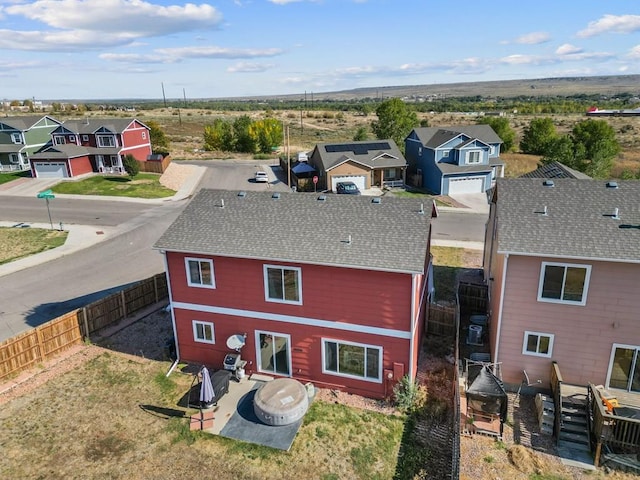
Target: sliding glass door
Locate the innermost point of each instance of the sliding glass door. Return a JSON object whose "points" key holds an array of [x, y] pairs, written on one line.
{"points": [[624, 368]]}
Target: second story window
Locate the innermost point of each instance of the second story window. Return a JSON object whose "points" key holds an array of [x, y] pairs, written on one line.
{"points": [[282, 284], [200, 272], [564, 283], [59, 140], [16, 137], [106, 141], [474, 156]]}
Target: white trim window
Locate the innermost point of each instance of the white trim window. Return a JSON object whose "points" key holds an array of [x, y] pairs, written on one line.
{"points": [[106, 140], [537, 344], [144, 135], [14, 158], [85, 138], [353, 360], [59, 139], [200, 272], [445, 154], [16, 137], [203, 332], [474, 156], [564, 283], [283, 284]]}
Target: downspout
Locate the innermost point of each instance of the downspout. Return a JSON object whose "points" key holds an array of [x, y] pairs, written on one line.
{"points": [[499, 328], [173, 316], [412, 345]]}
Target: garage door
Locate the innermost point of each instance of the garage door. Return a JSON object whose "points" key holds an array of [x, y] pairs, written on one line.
{"points": [[50, 170], [466, 185], [359, 180]]}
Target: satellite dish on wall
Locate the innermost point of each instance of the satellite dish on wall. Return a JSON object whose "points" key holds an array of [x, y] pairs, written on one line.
{"points": [[236, 342]]}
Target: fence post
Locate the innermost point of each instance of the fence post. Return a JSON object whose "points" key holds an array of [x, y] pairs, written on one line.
{"points": [[41, 354], [124, 304], [155, 287], [86, 323]]}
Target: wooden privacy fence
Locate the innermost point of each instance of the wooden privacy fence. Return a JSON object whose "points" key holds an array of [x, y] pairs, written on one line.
{"points": [[155, 166], [442, 320], [473, 298], [44, 342]]}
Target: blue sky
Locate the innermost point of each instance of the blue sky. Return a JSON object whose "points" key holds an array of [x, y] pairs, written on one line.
{"points": [[114, 49]]}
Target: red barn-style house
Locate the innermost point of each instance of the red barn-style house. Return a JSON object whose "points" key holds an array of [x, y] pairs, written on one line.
{"points": [[92, 145], [329, 289]]}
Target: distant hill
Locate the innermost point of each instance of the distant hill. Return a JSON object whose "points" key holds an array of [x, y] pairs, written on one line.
{"points": [[543, 87]]}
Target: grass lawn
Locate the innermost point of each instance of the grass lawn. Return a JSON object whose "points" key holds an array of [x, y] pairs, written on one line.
{"points": [[118, 417], [447, 264], [417, 194], [144, 185], [16, 243], [11, 176]]}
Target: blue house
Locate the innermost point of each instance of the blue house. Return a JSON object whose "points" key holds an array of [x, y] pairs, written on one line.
{"points": [[453, 160]]}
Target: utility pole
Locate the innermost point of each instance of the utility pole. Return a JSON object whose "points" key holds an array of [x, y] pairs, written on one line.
{"points": [[288, 162], [163, 97]]}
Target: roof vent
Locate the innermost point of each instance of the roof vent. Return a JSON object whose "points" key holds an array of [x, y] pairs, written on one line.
{"points": [[242, 194], [222, 203], [616, 215], [322, 198], [348, 240], [376, 200], [275, 195], [548, 183], [421, 211], [543, 212], [612, 184]]}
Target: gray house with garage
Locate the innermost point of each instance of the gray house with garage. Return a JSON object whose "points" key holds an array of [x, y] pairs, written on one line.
{"points": [[453, 160]]}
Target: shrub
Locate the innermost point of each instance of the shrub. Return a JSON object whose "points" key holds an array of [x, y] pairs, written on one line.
{"points": [[131, 165], [409, 395]]}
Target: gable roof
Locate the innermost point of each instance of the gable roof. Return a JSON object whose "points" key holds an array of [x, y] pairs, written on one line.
{"points": [[373, 154], [434, 137], [69, 150], [91, 125], [579, 222], [301, 228], [24, 123], [555, 170]]}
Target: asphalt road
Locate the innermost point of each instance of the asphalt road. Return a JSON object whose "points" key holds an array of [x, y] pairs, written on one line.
{"points": [[36, 295]]}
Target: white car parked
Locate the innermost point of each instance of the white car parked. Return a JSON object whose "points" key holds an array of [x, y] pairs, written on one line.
{"points": [[261, 177]]}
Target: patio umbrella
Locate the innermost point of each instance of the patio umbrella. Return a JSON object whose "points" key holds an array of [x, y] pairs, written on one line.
{"points": [[206, 388]]}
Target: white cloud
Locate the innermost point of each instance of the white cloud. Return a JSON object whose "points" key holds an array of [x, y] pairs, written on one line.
{"points": [[568, 49], [533, 38], [634, 53], [246, 67], [130, 18], [56, 41], [612, 23], [218, 52]]}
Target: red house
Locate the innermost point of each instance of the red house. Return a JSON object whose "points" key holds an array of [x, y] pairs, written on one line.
{"points": [[91, 145], [323, 288]]}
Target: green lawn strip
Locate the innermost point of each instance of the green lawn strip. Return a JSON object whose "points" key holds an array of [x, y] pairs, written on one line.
{"points": [[418, 194], [17, 243], [10, 177], [447, 262], [144, 185]]}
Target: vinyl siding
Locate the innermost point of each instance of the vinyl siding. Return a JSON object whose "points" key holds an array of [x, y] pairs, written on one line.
{"points": [[584, 335]]}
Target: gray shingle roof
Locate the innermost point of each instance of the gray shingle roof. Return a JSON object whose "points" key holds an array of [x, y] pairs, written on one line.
{"points": [[90, 125], [297, 227], [578, 223], [555, 170], [373, 158], [69, 150], [434, 137], [450, 168], [23, 123]]}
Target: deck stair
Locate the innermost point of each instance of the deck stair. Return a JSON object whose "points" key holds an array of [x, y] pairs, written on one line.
{"points": [[573, 436]]}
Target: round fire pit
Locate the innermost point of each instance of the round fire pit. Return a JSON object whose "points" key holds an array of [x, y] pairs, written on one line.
{"points": [[281, 402]]}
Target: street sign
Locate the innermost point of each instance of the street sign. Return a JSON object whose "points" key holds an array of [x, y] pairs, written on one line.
{"points": [[315, 179], [46, 194]]}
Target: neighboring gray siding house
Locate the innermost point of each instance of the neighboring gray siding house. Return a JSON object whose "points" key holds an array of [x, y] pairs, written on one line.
{"points": [[562, 263], [453, 160], [367, 163], [22, 136]]}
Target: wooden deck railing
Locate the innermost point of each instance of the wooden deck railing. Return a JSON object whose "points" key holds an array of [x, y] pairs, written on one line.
{"points": [[556, 389], [609, 429]]}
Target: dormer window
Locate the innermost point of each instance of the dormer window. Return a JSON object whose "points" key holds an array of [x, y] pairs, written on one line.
{"points": [[16, 137], [445, 154], [474, 157], [59, 140], [106, 141]]}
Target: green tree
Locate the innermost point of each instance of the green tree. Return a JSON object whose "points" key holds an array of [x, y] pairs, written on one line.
{"points": [[219, 136], [361, 134], [396, 119], [159, 141], [502, 128], [267, 132], [560, 149], [537, 136], [596, 146], [131, 165], [244, 140]]}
